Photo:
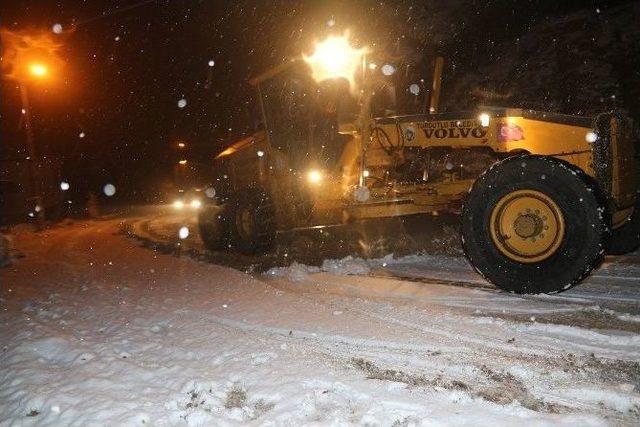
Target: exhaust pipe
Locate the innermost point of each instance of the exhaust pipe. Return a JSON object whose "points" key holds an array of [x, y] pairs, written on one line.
{"points": [[437, 85]]}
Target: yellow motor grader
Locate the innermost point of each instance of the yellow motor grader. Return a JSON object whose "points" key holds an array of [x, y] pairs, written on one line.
{"points": [[542, 196]]}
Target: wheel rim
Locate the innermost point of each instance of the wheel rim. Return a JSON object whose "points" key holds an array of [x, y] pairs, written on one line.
{"points": [[527, 226], [245, 223]]}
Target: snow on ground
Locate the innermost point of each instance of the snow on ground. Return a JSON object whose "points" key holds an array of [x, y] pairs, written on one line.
{"points": [[97, 330]]}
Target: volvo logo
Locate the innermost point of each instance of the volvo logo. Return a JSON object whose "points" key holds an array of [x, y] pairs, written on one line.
{"points": [[408, 134]]}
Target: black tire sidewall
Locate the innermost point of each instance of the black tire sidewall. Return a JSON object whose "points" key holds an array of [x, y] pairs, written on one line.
{"points": [[214, 227], [581, 249], [258, 203]]}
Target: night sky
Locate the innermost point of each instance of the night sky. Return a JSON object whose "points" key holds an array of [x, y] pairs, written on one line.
{"points": [[128, 63]]}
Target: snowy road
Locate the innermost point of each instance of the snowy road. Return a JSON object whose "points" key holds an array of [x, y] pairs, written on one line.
{"points": [[99, 329]]}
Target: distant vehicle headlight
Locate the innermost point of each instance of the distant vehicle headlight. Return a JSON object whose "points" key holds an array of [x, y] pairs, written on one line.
{"points": [[195, 204], [178, 204]]}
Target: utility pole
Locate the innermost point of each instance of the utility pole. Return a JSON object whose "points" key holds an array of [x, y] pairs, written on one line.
{"points": [[34, 181]]}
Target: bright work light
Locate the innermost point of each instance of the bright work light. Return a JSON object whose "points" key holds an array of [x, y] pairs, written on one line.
{"points": [[314, 176], [335, 58]]}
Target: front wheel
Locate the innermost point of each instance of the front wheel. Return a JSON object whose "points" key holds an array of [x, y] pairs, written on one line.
{"points": [[253, 221], [214, 227], [534, 224]]}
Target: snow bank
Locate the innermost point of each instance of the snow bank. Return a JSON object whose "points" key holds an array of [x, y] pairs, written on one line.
{"points": [[357, 266], [297, 272], [346, 266]]}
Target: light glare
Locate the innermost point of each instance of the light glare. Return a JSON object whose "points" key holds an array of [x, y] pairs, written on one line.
{"points": [[314, 176], [484, 119], [38, 70], [335, 58]]}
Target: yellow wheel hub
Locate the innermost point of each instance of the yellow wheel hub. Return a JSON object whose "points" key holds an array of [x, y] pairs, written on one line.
{"points": [[527, 226]]}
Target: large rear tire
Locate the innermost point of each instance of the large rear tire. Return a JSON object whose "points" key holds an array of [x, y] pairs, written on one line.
{"points": [[534, 224]]}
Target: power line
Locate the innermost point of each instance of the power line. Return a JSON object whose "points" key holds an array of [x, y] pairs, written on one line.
{"points": [[113, 12]]}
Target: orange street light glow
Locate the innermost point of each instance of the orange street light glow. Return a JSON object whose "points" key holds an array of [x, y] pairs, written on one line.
{"points": [[30, 55], [38, 70], [335, 58]]}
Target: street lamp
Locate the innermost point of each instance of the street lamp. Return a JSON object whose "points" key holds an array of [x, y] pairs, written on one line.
{"points": [[38, 70], [30, 56]]}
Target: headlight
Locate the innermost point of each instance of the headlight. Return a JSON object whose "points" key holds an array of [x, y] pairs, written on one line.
{"points": [[195, 204], [178, 204], [484, 119]]}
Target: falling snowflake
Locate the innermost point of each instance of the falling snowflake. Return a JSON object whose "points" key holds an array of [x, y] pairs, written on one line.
{"points": [[591, 137], [81, 134], [64, 186], [183, 233], [117, 38], [109, 190], [331, 22], [414, 89], [57, 28], [182, 103], [388, 69], [211, 63], [210, 192]]}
